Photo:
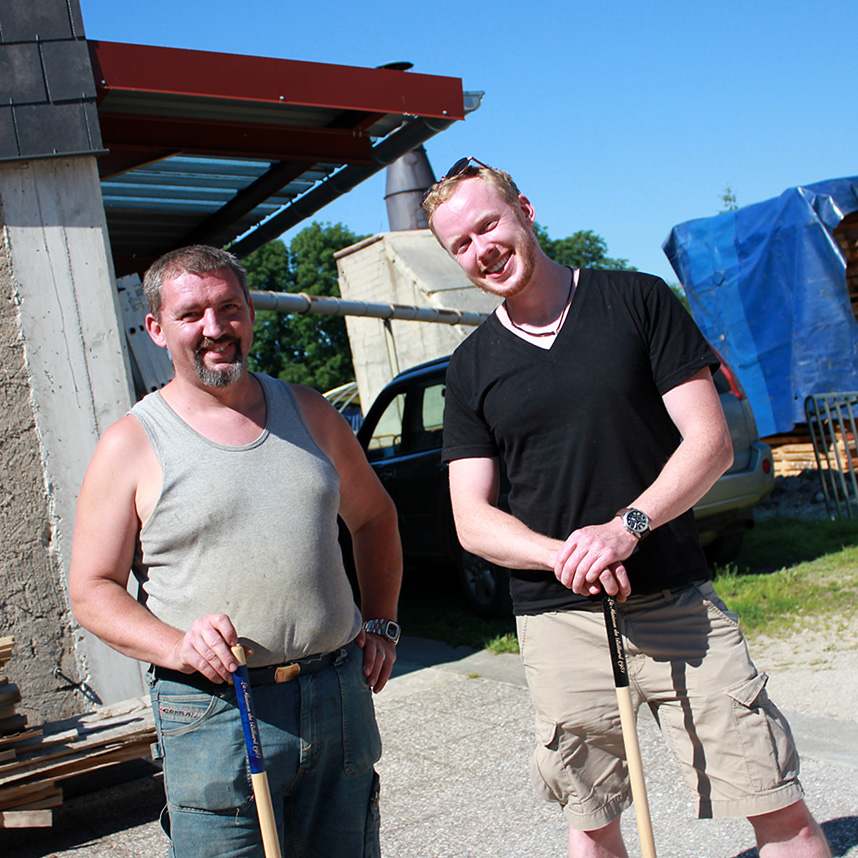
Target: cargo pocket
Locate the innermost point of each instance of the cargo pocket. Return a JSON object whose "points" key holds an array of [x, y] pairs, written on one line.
{"points": [[202, 747], [549, 773], [767, 742]]}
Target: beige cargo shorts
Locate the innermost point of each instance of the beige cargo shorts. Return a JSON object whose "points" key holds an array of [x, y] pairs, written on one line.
{"points": [[687, 659]]}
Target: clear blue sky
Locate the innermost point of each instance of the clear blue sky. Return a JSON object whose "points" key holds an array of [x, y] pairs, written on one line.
{"points": [[624, 117]]}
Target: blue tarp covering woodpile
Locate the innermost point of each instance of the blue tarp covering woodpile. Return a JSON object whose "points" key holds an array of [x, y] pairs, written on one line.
{"points": [[767, 286]]}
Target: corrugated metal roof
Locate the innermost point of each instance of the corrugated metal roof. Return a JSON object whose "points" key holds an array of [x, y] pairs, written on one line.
{"points": [[206, 147]]}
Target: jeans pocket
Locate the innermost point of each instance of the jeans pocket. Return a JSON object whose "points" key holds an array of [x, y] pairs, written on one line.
{"points": [[202, 743], [361, 739]]}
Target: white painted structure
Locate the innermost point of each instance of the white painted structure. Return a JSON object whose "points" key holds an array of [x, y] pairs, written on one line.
{"points": [[407, 267]]}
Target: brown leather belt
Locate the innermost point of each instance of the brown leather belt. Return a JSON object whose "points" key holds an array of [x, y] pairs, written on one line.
{"points": [[269, 675]]}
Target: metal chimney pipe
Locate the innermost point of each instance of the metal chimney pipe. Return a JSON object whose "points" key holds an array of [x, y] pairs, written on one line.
{"points": [[408, 178]]}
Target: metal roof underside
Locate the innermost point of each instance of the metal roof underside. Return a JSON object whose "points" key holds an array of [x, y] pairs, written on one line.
{"points": [[224, 149]]}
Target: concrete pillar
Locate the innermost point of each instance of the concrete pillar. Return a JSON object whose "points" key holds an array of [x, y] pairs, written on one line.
{"points": [[66, 377]]}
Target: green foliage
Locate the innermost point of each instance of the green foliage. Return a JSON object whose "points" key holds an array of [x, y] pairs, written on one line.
{"points": [[503, 643], [728, 198], [301, 348], [583, 249]]}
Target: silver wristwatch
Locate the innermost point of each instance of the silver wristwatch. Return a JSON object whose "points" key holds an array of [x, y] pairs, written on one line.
{"points": [[386, 628], [635, 521]]}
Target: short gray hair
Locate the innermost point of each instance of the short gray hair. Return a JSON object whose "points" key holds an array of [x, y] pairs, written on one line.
{"points": [[195, 259]]}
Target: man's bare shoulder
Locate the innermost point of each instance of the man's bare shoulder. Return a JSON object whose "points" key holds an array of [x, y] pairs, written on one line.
{"points": [[313, 406], [124, 437], [123, 452], [329, 428]]}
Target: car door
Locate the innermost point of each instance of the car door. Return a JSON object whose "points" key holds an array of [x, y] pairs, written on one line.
{"points": [[404, 448]]}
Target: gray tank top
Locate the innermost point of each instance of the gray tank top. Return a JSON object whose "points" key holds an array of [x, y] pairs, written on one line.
{"points": [[248, 531]]}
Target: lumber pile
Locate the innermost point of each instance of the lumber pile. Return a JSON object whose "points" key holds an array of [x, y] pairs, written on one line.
{"points": [[793, 453], [34, 761]]}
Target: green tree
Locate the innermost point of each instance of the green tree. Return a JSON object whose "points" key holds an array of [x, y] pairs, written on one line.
{"points": [[302, 348], [583, 249], [728, 198]]}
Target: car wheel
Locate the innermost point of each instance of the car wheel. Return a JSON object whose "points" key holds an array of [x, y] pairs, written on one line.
{"points": [[485, 585], [724, 549]]}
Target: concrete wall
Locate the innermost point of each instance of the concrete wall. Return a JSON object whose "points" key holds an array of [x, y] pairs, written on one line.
{"points": [[407, 267], [66, 378]]}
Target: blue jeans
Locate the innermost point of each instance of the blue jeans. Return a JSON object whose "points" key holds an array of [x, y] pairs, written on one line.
{"points": [[320, 741]]}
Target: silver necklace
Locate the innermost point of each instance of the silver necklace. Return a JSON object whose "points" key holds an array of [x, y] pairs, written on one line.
{"points": [[560, 318]]}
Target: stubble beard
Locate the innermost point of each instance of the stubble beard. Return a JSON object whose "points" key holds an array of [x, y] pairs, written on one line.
{"points": [[526, 254], [223, 376]]}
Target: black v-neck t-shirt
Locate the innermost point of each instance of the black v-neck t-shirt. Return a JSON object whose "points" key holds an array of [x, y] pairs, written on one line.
{"points": [[581, 427]]}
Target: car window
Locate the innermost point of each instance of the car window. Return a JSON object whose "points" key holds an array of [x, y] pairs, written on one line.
{"points": [[386, 439], [429, 432]]}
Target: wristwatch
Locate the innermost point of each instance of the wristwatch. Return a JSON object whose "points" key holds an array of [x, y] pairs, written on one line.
{"points": [[635, 521], [386, 628]]}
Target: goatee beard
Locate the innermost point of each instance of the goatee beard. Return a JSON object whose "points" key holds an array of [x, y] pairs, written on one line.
{"points": [[224, 376]]}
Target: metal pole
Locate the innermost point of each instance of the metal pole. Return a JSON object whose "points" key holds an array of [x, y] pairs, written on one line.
{"points": [[300, 302]]}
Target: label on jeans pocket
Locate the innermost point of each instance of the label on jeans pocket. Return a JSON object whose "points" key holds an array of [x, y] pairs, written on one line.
{"points": [[176, 712]]}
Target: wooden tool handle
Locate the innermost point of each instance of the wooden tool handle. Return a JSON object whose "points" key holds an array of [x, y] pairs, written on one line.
{"points": [[629, 728], [253, 744]]}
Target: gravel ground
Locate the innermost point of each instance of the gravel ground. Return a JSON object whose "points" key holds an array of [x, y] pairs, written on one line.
{"points": [[813, 669], [797, 496]]}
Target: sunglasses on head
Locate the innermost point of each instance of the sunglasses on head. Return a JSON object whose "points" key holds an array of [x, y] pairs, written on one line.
{"points": [[459, 167]]}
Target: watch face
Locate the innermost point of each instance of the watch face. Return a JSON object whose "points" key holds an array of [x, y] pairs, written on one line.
{"points": [[636, 520]]}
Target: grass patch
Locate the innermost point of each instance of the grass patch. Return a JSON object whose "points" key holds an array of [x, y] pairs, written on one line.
{"points": [[507, 642], [789, 573]]}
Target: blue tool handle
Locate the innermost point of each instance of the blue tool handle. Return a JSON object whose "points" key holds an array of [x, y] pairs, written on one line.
{"points": [[252, 741]]}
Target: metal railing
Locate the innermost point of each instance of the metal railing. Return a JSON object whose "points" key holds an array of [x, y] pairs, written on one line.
{"points": [[831, 421]]}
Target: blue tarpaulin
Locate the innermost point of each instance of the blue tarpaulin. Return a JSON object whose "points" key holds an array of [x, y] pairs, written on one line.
{"points": [[767, 286]]}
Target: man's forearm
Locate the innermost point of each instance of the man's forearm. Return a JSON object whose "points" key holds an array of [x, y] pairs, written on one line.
{"points": [[108, 610], [501, 538], [689, 473], [378, 564]]}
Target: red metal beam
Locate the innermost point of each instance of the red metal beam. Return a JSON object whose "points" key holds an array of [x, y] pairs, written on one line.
{"points": [[235, 139], [121, 159], [205, 74]]}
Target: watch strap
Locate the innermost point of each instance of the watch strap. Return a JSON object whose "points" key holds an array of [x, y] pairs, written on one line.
{"points": [[389, 629]]}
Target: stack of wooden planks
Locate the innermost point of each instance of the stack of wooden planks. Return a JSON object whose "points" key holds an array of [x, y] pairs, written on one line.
{"points": [[793, 452], [34, 761]]}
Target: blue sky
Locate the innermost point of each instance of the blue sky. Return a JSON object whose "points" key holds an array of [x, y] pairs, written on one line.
{"points": [[624, 117]]}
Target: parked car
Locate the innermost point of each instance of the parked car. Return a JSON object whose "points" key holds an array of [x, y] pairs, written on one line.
{"points": [[402, 435]]}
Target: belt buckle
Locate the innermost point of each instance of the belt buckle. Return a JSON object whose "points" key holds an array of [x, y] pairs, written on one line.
{"points": [[287, 672]]}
